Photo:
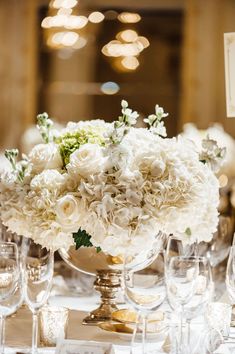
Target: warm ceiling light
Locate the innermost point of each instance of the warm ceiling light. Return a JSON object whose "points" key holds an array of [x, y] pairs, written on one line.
{"points": [[118, 49], [80, 43], [144, 41], [58, 20], [69, 22], [57, 38], [66, 4], [69, 39], [128, 36], [129, 17], [96, 17], [76, 22], [46, 23], [66, 39], [63, 11], [130, 62]]}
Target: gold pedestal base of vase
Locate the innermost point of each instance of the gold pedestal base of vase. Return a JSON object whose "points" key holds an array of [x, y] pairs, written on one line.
{"points": [[108, 283]]}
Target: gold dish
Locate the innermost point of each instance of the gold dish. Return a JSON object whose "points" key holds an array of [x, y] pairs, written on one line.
{"points": [[125, 332], [116, 327], [128, 316]]}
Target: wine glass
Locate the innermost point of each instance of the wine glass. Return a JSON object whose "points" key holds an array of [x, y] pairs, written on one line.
{"points": [[175, 247], [38, 266], [230, 274], [201, 297], [9, 282], [145, 289], [219, 246], [181, 275], [20, 241]]}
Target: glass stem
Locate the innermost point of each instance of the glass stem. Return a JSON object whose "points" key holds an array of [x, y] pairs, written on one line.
{"points": [[35, 333], [181, 344], [144, 333], [188, 333], [2, 333], [133, 339]]}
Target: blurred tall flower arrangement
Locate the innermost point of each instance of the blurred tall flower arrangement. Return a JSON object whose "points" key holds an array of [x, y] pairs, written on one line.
{"points": [[223, 140], [111, 185]]}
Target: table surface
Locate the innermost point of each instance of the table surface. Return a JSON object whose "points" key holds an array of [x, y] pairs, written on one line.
{"points": [[19, 327]]}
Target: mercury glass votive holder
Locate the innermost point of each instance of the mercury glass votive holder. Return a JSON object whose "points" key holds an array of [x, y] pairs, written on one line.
{"points": [[53, 324]]}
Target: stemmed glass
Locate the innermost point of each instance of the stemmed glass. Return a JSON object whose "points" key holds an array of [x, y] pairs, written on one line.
{"points": [[218, 247], [181, 276], [38, 264], [145, 289], [230, 274], [9, 283], [201, 296], [175, 247]]}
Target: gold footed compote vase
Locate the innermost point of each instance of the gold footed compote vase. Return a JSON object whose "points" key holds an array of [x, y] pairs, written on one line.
{"points": [[108, 272]]}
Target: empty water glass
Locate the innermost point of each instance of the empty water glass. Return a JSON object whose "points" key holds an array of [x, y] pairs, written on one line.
{"points": [[38, 266]]}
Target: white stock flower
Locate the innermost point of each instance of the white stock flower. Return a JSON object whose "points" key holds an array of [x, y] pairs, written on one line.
{"points": [[160, 129], [88, 160], [45, 156]]}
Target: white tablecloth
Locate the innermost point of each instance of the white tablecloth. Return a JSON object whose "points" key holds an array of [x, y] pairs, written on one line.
{"points": [[18, 328]]}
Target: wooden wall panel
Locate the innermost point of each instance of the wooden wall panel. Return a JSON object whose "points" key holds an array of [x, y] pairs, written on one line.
{"points": [[17, 68]]}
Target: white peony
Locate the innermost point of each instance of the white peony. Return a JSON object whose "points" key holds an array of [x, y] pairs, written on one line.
{"points": [[45, 156], [88, 160]]}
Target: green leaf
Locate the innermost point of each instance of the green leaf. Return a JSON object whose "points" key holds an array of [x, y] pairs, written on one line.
{"points": [[82, 239]]}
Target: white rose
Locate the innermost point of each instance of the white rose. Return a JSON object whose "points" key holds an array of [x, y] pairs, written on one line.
{"points": [[87, 160], [45, 156], [67, 212]]}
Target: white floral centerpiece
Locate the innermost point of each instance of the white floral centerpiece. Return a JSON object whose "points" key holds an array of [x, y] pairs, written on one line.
{"points": [[110, 185]]}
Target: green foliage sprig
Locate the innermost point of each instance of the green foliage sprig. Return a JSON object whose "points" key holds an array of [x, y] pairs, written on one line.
{"points": [[82, 239]]}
